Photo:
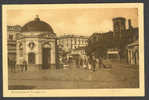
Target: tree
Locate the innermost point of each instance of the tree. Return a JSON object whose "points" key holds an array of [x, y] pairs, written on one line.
{"points": [[98, 48]]}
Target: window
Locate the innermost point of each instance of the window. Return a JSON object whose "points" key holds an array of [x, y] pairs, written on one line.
{"points": [[11, 37], [75, 41]]}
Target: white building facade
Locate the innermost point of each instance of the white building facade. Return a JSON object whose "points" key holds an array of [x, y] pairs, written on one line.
{"points": [[69, 42], [36, 44], [133, 53]]}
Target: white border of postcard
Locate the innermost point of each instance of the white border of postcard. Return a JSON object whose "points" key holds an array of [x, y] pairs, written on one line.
{"points": [[75, 92]]}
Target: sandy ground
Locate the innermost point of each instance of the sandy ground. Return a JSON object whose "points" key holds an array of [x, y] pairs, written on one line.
{"points": [[119, 76]]}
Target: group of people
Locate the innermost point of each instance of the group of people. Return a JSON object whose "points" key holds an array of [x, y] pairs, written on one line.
{"points": [[12, 64], [86, 62], [92, 63]]}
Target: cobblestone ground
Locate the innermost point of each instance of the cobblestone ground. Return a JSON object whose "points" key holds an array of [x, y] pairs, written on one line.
{"points": [[119, 76]]}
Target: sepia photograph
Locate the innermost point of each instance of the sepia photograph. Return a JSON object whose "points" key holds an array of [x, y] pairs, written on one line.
{"points": [[54, 50]]}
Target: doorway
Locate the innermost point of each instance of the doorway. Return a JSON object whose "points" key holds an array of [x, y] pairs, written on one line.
{"points": [[31, 58], [46, 58]]}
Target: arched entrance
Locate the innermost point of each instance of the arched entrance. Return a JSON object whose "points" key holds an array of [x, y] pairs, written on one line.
{"points": [[46, 55], [31, 58]]}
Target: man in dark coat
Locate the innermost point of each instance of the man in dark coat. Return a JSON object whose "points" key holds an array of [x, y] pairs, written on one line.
{"points": [[101, 64], [11, 65], [93, 63]]}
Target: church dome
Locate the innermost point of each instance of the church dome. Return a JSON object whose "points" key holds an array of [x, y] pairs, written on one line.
{"points": [[37, 26]]}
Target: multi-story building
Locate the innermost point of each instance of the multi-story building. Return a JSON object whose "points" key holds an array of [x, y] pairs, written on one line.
{"points": [[96, 37], [123, 35], [11, 40], [12, 31], [133, 52], [115, 42], [119, 27], [72, 45], [69, 42]]}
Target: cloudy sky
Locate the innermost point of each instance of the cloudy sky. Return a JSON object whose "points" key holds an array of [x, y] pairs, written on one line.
{"points": [[79, 21]]}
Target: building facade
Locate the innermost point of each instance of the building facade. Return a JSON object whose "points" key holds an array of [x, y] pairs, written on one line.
{"points": [[133, 53], [72, 46], [12, 31], [36, 44], [119, 27], [69, 42], [11, 40], [117, 40]]}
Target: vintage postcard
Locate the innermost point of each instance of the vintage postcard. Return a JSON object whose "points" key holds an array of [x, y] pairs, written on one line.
{"points": [[73, 50]]}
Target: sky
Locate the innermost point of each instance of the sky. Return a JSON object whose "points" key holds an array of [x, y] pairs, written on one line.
{"points": [[78, 21]]}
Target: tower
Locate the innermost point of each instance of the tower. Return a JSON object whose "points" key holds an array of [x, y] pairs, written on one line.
{"points": [[129, 24], [119, 27]]}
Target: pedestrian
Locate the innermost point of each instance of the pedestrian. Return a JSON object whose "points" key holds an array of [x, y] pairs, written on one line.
{"points": [[89, 64], [77, 62], [9, 63], [84, 63], [93, 63], [101, 64], [61, 62], [14, 66], [11, 66], [21, 66], [25, 65], [81, 61]]}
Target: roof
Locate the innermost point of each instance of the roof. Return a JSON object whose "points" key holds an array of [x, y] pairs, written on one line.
{"points": [[119, 18], [72, 36], [16, 28], [37, 26]]}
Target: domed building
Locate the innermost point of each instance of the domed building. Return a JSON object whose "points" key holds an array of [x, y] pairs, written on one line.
{"points": [[36, 44]]}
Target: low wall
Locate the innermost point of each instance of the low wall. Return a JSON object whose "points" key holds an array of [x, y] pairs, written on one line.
{"points": [[32, 67]]}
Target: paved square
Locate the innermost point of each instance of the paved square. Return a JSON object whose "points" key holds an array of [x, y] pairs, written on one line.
{"points": [[119, 76]]}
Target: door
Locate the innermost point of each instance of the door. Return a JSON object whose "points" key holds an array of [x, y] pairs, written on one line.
{"points": [[31, 58], [46, 58]]}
